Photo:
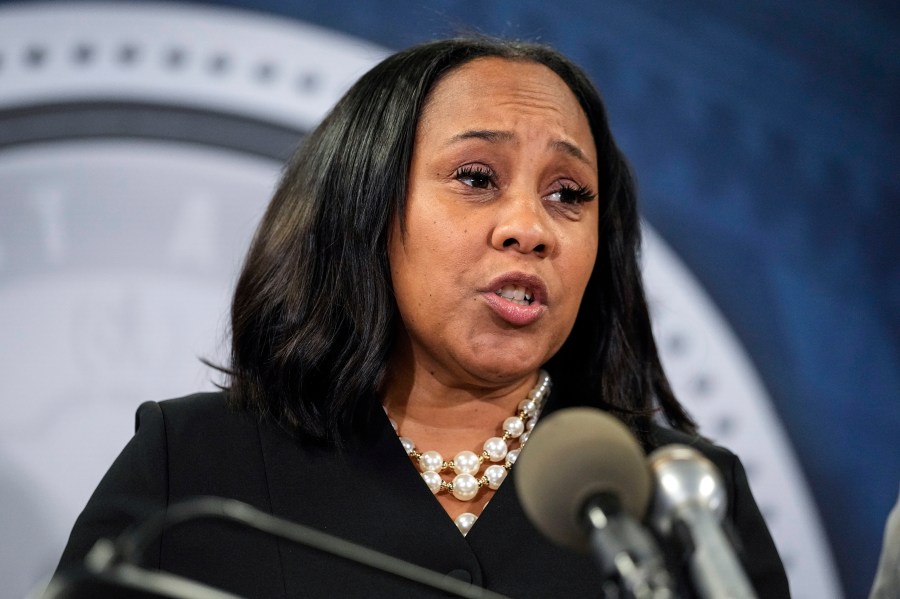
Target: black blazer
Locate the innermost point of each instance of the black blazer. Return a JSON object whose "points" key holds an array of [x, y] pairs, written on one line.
{"points": [[369, 494]]}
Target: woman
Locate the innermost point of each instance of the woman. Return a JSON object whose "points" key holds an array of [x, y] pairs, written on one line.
{"points": [[461, 220]]}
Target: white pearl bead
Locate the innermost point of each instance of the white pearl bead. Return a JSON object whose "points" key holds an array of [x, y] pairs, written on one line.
{"points": [[524, 438], [464, 522], [512, 456], [431, 460], [496, 448], [433, 480], [528, 406], [408, 445], [495, 474], [465, 487], [393, 424], [466, 462], [530, 424], [514, 426]]}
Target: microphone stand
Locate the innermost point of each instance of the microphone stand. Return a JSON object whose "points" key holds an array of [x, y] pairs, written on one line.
{"points": [[628, 556], [117, 562]]}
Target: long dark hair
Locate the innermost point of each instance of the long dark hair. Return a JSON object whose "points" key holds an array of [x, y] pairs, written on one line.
{"points": [[313, 316]]}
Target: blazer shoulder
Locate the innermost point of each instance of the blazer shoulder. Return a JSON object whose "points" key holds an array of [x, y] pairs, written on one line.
{"points": [[210, 448], [200, 432], [195, 414], [211, 404]]}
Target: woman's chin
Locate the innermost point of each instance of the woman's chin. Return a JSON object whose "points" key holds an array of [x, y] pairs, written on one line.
{"points": [[503, 359], [504, 369]]}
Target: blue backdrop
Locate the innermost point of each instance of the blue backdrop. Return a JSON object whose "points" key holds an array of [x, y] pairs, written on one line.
{"points": [[764, 135]]}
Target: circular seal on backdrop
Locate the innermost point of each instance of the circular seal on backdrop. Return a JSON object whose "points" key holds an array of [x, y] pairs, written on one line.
{"points": [[139, 144]]}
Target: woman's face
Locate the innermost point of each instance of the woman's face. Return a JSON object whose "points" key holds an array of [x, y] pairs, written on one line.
{"points": [[501, 224]]}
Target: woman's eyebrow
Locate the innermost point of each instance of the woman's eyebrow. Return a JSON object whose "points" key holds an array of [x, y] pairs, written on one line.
{"points": [[485, 134], [570, 149], [493, 136]]}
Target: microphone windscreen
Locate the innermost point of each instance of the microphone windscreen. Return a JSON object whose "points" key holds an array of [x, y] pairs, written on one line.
{"points": [[572, 456]]}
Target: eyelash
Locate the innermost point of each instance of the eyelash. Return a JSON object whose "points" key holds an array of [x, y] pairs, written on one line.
{"points": [[576, 195], [482, 173], [569, 194]]}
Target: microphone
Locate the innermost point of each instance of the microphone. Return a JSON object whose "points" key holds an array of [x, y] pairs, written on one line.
{"points": [[583, 482], [689, 505]]}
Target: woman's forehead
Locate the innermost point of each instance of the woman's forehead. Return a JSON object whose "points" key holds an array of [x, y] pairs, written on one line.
{"points": [[496, 77], [501, 95]]}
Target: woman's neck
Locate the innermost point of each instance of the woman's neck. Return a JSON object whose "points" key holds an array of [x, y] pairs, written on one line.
{"points": [[449, 419], [449, 414]]}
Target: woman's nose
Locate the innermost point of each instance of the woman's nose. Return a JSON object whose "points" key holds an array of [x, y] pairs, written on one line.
{"points": [[522, 227]]}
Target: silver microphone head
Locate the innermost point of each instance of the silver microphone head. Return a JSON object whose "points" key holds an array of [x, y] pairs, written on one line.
{"points": [[685, 478]]}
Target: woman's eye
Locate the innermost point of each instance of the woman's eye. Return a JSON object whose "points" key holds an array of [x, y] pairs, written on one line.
{"points": [[477, 177], [572, 194]]}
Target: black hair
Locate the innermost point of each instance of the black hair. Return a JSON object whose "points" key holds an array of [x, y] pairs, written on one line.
{"points": [[314, 317]]}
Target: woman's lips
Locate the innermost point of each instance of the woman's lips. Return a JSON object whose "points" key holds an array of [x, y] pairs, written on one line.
{"points": [[517, 298]]}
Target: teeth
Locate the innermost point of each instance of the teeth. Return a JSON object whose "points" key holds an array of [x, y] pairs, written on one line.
{"points": [[517, 294]]}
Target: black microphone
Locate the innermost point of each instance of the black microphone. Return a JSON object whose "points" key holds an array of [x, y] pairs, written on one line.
{"points": [[583, 482], [691, 500]]}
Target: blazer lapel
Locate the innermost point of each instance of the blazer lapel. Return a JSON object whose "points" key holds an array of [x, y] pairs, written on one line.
{"points": [[369, 494]]}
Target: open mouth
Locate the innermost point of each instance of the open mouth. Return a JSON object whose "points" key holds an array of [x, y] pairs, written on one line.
{"points": [[516, 294]]}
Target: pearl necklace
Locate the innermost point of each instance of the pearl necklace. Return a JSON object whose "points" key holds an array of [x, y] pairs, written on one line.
{"points": [[466, 464]]}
